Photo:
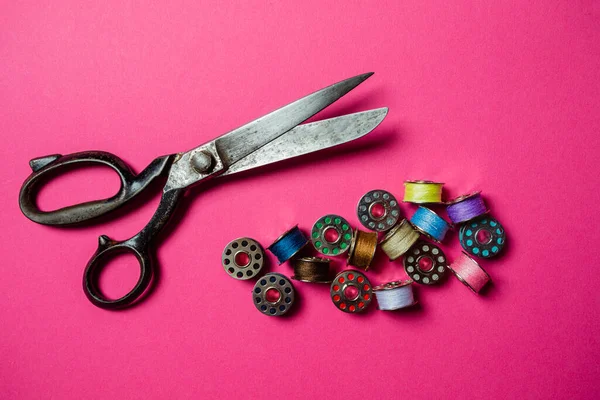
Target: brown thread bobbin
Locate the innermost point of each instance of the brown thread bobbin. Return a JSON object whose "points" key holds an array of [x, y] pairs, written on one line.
{"points": [[362, 249], [312, 270]]}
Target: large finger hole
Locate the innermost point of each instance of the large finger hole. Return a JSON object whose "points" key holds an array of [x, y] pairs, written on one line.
{"points": [[117, 274], [74, 184]]}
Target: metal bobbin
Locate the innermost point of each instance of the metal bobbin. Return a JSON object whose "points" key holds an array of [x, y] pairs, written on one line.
{"points": [[288, 244], [362, 249], [312, 270], [466, 208], [470, 273], [429, 224], [387, 288], [351, 291], [483, 237], [378, 210], [273, 294], [425, 263], [422, 192], [341, 240], [399, 240], [243, 258]]}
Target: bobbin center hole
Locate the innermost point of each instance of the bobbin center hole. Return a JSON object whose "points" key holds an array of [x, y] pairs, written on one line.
{"points": [[272, 295], [351, 292], [331, 235], [425, 263], [377, 210], [483, 236], [242, 259]]}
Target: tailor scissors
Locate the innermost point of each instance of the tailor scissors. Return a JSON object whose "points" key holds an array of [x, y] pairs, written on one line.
{"points": [[273, 137]]}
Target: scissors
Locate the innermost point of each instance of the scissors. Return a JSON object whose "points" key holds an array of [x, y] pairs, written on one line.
{"points": [[274, 137]]}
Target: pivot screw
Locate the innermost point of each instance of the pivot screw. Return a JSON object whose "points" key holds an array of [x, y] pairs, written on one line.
{"points": [[202, 162]]}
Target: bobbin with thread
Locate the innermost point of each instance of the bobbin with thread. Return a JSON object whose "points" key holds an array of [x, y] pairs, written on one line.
{"points": [[395, 295], [423, 192], [331, 235], [351, 291], [362, 249], [273, 294], [312, 270], [482, 237], [466, 207], [288, 244], [470, 273], [429, 224], [399, 239], [425, 263], [378, 210]]}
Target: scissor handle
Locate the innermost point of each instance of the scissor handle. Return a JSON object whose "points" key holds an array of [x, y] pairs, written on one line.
{"points": [[140, 245], [44, 168]]}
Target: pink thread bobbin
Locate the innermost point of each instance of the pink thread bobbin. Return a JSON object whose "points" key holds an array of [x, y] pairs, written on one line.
{"points": [[468, 271]]}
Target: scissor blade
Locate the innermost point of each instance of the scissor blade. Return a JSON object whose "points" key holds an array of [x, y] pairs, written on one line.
{"points": [[242, 141], [307, 138]]}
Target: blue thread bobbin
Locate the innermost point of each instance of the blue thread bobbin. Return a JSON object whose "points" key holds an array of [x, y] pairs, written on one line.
{"points": [[429, 224], [485, 245], [288, 244]]}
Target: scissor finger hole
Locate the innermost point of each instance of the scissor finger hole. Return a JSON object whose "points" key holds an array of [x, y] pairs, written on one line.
{"points": [[117, 274], [92, 181]]}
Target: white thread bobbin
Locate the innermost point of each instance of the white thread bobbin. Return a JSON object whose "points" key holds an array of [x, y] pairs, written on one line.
{"points": [[399, 239], [470, 273], [395, 295]]}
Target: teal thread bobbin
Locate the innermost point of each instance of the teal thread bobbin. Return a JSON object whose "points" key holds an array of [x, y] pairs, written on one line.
{"points": [[482, 237], [331, 235]]}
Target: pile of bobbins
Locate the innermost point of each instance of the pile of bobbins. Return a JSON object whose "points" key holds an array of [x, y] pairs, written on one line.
{"points": [[416, 239]]}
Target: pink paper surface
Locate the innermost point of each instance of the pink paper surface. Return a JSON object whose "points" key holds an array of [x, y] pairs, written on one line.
{"points": [[501, 97]]}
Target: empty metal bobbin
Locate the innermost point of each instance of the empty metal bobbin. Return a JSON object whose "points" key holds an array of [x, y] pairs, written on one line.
{"points": [[273, 294], [378, 210], [351, 291], [331, 235], [243, 258], [425, 263]]}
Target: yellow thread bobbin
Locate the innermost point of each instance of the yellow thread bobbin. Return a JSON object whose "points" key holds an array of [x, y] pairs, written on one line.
{"points": [[422, 192], [398, 240], [362, 249]]}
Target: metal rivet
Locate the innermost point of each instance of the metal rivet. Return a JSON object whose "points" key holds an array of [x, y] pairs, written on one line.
{"points": [[202, 162]]}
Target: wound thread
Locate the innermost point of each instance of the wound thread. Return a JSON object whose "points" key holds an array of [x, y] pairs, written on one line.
{"points": [[430, 224], [288, 244], [468, 271], [399, 239], [362, 249], [312, 270], [422, 192], [395, 295], [465, 208]]}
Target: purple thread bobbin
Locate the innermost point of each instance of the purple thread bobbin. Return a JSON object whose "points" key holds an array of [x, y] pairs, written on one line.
{"points": [[466, 207]]}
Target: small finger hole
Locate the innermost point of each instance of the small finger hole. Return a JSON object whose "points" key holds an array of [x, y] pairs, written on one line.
{"points": [[117, 275]]}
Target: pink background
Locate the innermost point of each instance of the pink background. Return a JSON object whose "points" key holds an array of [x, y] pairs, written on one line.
{"points": [[501, 97]]}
